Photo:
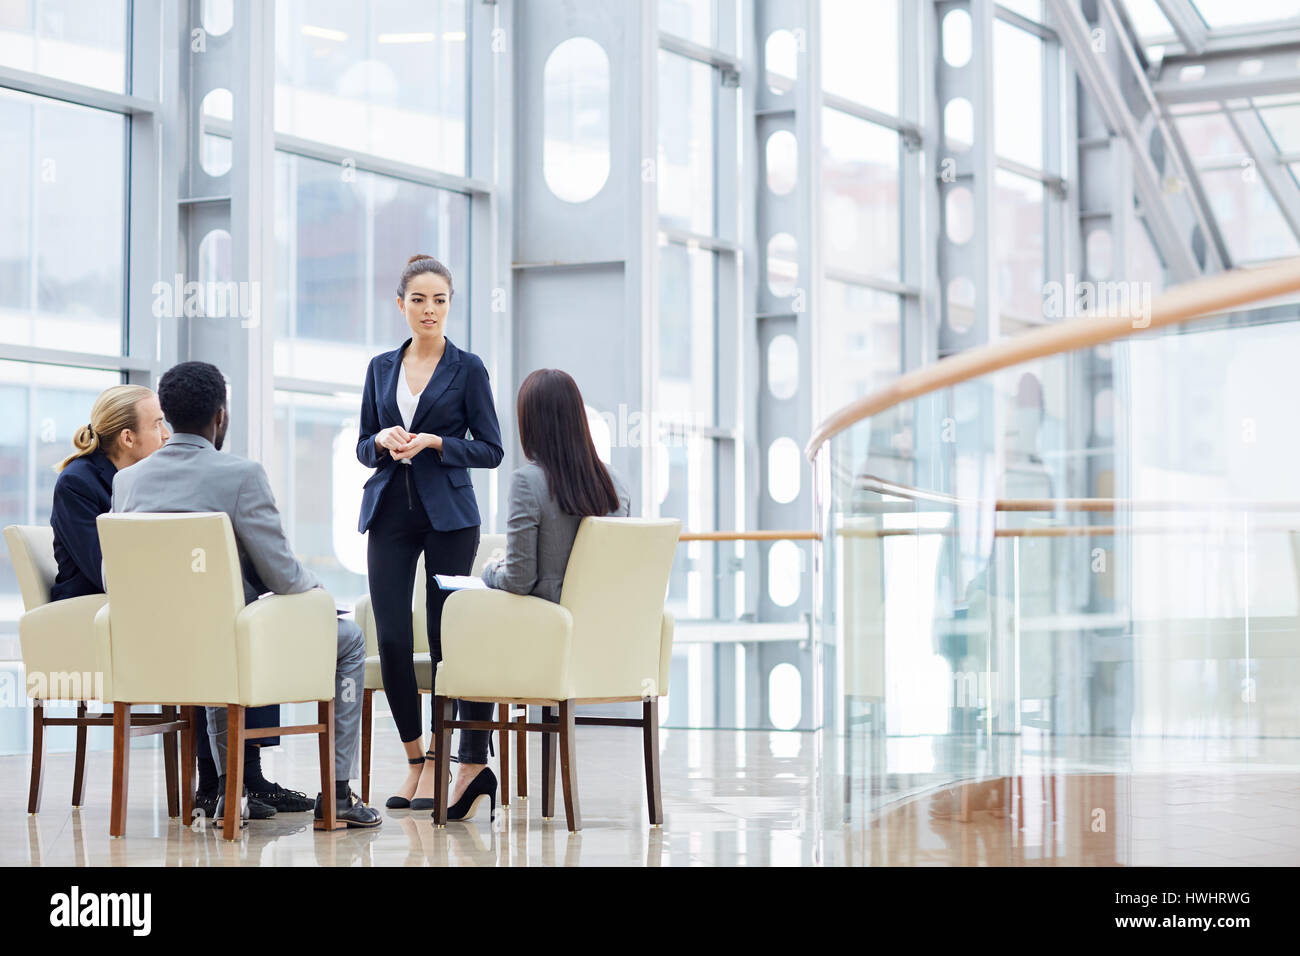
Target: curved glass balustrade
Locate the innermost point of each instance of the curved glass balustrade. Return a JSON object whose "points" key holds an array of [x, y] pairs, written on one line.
{"points": [[1064, 594]]}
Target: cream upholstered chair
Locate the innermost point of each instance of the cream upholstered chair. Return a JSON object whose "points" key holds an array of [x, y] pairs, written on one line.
{"points": [[61, 662], [177, 632], [609, 639], [488, 546]]}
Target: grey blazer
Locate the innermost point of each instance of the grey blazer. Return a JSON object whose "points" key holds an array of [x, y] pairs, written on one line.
{"points": [[539, 536], [188, 474]]}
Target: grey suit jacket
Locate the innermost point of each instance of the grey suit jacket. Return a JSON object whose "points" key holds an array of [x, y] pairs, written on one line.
{"points": [[188, 474], [539, 536]]}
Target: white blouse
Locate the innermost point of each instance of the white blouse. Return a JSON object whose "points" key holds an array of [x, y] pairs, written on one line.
{"points": [[406, 402]]}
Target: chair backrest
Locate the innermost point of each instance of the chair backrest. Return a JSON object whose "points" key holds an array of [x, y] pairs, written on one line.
{"points": [[489, 545], [614, 586], [31, 548], [419, 616], [174, 590]]}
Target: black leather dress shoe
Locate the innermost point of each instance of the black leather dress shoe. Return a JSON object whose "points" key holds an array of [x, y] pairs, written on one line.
{"points": [[351, 811]]}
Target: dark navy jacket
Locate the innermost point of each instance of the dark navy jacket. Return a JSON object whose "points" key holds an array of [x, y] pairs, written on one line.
{"points": [[82, 492], [457, 400]]}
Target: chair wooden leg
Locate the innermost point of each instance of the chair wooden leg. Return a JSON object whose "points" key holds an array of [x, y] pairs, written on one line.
{"points": [[328, 800], [367, 729], [189, 749], [503, 712], [442, 712], [650, 735], [79, 767], [38, 757], [522, 739], [548, 765], [121, 768], [169, 766], [569, 766], [233, 820]]}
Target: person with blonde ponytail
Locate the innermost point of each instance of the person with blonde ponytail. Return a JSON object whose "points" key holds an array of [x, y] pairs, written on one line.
{"points": [[126, 425]]}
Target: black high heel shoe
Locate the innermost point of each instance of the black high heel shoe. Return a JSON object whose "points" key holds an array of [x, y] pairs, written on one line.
{"points": [[403, 803], [483, 785], [426, 803]]}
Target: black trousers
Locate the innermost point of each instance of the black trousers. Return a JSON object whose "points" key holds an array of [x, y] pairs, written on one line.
{"points": [[399, 532]]}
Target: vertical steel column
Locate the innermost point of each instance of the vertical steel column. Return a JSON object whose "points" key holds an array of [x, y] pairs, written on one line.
{"points": [[491, 159], [585, 286], [797, 213], [735, 352], [241, 201], [153, 236], [971, 171]]}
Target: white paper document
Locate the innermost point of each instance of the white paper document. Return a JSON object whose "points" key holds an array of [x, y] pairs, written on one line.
{"points": [[458, 582]]}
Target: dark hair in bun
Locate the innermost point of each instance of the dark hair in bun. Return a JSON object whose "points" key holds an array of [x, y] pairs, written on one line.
{"points": [[418, 264]]}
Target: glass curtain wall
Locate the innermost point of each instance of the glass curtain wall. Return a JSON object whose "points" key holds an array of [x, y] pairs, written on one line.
{"points": [[861, 150], [367, 84], [63, 255], [698, 131]]}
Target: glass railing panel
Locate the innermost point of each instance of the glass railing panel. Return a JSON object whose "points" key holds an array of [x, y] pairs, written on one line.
{"points": [[1087, 564]]}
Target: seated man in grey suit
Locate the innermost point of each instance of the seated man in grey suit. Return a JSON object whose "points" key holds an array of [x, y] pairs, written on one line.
{"points": [[190, 474]]}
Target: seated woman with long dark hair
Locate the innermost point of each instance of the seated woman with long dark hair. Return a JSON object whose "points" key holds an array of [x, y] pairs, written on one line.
{"points": [[563, 482]]}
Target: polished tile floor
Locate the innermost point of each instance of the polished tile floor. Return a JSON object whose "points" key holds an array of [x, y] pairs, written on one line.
{"points": [[731, 798], [1178, 819]]}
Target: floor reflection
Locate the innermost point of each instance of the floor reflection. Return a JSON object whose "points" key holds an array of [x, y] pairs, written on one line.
{"points": [[1067, 819], [737, 799]]}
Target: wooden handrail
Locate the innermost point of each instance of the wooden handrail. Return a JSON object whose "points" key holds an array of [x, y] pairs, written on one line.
{"points": [[749, 536], [1199, 299], [1060, 531], [1016, 505]]}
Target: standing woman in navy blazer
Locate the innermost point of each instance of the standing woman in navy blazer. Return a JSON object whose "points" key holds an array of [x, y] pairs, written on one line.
{"points": [[420, 402]]}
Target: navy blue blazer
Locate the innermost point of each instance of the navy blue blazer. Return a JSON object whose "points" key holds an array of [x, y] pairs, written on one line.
{"points": [[457, 400], [82, 492]]}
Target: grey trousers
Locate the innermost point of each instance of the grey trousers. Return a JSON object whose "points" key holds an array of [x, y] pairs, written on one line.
{"points": [[349, 685]]}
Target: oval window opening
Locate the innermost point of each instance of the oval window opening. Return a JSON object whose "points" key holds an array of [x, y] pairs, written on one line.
{"points": [[575, 123], [782, 162], [783, 470], [956, 41], [217, 16], [784, 696], [781, 57], [961, 304], [216, 114], [959, 218], [959, 124], [782, 264], [783, 573], [783, 366]]}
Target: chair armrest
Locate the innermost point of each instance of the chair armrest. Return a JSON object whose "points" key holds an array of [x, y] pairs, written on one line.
{"points": [[286, 646], [103, 638], [665, 652], [497, 644], [58, 648]]}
